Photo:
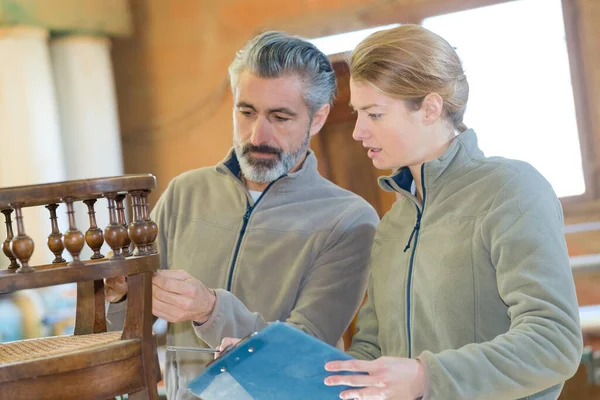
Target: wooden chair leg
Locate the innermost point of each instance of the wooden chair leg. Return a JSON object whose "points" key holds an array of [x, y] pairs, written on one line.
{"points": [[138, 324]]}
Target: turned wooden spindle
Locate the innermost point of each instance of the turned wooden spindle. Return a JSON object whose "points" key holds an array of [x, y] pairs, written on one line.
{"points": [[73, 238], [94, 236], [115, 233], [55, 243], [21, 245], [138, 229], [152, 227], [121, 220], [9, 235]]}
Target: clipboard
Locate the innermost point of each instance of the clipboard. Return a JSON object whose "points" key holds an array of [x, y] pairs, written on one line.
{"points": [[279, 362]]}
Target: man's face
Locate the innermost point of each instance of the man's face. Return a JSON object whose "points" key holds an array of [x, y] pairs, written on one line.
{"points": [[271, 125]]}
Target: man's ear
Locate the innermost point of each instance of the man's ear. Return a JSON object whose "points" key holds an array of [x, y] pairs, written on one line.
{"points": [[319, 119]]}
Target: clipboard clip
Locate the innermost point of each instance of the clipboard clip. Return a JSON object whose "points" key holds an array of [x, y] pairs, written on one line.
{"points": [[230, 348], [210, 350]]}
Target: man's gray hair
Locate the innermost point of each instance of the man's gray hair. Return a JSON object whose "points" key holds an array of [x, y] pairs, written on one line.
{"points": [[276, 54]]}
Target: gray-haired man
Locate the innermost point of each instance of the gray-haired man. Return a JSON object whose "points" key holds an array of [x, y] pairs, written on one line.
{"points": [[261, 236]]}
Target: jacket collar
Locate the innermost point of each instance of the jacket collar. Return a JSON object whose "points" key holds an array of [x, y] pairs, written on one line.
{"points": [[462, 150], [299, 180]]}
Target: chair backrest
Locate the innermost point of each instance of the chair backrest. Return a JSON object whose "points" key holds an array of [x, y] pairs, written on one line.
{"points": [[83, 362]]}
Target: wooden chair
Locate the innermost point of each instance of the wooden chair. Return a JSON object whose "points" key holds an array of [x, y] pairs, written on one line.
{"points": [[92, 363]]}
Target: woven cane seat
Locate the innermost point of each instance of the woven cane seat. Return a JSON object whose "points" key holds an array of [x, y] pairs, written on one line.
{"points": [[36, 348]]}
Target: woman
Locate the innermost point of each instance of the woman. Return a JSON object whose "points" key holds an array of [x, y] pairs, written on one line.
{"points": [[471, 294]]}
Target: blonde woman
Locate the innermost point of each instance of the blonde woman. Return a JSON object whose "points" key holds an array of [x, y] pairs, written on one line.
{"points": [[471, 293]]}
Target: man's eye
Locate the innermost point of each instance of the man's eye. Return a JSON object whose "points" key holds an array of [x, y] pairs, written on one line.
{"points": [[281, 119], [375, 116]]}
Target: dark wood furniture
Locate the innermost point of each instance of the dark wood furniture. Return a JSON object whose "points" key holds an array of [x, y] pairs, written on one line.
{"points": [[92, 363]]}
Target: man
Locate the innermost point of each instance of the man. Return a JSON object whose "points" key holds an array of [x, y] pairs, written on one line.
{"points": [[273, 238]]}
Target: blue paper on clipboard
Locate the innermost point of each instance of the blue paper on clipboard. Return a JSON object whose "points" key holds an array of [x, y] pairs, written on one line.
{"points": [[279, 362]]}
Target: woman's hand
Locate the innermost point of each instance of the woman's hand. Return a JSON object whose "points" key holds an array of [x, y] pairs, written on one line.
{"points": [[388, 378], [225, 344]]}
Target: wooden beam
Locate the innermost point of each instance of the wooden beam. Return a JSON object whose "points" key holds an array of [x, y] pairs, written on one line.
{"points": [[581, 96]]}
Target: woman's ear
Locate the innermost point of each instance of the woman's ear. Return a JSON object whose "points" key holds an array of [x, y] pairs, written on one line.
{"points": [[432, 108]]}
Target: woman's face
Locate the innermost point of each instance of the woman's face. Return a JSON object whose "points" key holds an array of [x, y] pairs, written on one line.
{"points": [[394, 135]]}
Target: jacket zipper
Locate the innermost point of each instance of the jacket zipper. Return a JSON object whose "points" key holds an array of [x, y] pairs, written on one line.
{"points": [[415, 231], [246, 218]]}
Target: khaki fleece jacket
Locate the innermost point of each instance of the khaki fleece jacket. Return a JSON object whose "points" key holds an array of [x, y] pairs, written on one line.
{"points": [[299, 254], [476, 283]]}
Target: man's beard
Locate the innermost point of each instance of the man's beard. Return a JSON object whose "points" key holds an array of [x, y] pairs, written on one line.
{"points": [[266, 170]]}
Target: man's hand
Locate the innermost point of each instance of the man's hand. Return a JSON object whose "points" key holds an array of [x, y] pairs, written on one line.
{"points": [[225, 344], [388, 378], [177, 297], [115, 288]]}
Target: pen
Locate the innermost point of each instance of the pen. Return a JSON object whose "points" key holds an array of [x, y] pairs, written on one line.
{"points": [[196, 349]]}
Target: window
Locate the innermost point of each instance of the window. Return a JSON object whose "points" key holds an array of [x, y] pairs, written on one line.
{"points": [[521, 99], [345, 41]]}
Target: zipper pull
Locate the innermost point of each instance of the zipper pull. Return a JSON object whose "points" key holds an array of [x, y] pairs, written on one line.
{"points": [[247, 214], [410, 239], [415, 229]]}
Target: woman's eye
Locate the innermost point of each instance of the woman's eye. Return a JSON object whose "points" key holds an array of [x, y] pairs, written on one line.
{"points": [[375, 116]]}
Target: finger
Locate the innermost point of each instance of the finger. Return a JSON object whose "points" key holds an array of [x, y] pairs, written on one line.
{"points": [[225, 348], [108, 292], [167, 308], [364, 394], [116, 279], [173, 299], [173, 285], [117, 284], [114, 293], [354, 381], [351, 365], [167, 311], [228, 342], [113, 297], [222, 348], [111, 281], [177, 274], [164, 315], [120, 287]]}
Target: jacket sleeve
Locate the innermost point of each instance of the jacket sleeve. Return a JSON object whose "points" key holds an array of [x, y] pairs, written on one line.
{"points": [[365, 344], [523, 233], [329, 294], [115, 312]]}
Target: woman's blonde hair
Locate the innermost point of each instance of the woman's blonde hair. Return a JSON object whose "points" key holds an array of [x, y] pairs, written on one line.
{"points": [[408, 63]]}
